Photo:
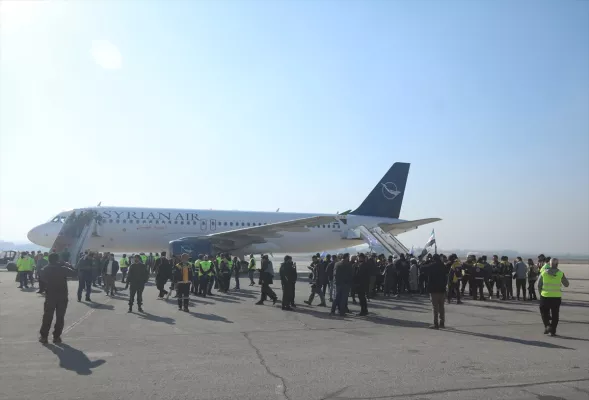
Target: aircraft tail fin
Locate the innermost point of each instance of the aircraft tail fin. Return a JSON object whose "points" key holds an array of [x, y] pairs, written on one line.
{"points": [[386, 198]]}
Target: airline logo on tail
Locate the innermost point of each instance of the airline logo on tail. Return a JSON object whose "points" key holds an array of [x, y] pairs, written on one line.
{"points": [[389, 190]]}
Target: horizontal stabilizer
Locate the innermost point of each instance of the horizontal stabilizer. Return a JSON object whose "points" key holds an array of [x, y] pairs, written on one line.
{"points": [[395, 229]]}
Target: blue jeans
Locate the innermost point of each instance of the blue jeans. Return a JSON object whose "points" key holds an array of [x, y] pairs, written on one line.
{"points": [[331, 286], [341, 298], [84, 280], [22, 277]]}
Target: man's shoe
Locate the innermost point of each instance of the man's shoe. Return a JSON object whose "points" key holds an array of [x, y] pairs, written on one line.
{"points": [[274, 300], [43, 340], [552, 333], [363, 313], [185, 309], [293, 305], [546, 330], [442, 326], [260, 303], [130, 309], [287, 308], [434, 327], [322, 305], [57, 339], [88, 299], [140, 309], [307, 302]]}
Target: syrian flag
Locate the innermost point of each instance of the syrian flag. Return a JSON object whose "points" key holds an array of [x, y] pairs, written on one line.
{"points": [[432, 240]]}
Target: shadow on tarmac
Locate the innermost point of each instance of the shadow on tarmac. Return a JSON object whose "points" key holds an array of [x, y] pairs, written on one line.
{"points": [[534, 343], [571, 338], [242, 293], [157, 318], [73, 359], [573, 303], [101, 306], [496, 307], [210, 317]]}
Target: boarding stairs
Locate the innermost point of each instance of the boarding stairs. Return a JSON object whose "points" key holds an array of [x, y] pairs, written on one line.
{"points": [[74, 233], [377, 236]]}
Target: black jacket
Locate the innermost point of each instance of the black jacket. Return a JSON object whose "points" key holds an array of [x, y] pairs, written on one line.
{"points": [[329, 270], [163, 267], [288, 273], [437, 277], [363, 273], [138, 274], [320, 273], [115, 267], [54, 277], [343, 273], [266, 276]]}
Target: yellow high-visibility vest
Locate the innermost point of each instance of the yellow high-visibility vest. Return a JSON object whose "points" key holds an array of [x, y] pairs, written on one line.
{"points": [[551, 284]]}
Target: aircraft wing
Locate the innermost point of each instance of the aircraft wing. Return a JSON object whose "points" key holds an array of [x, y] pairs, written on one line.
{"points": [[401, 227], [239, 238]]}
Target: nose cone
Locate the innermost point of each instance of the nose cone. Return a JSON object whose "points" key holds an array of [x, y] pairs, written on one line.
{"points": [[34, 236], [41, 236]]}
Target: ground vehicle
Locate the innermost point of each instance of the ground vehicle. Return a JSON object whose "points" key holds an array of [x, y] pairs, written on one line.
{"points": [[8, 258]]}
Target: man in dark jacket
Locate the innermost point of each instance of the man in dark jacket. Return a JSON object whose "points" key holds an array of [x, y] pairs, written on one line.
{"points": [[183, 279], [288, 278], [329, 273], [84, 268], [437, 277], [109, 271], [402, 268], [319, 280], [137, 277], [362, 280], [163, 266], [54, 277], [343, 278], [266, 278]]}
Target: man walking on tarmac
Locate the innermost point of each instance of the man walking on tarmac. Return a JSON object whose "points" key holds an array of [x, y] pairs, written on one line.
{"points": [[549, 286], [138, 276], [251, 269], [183, 277], [288, 278], [54, 277], [163, 268]]}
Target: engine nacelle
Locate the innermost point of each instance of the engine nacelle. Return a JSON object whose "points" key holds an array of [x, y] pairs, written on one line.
{"points": [[192, 246]]}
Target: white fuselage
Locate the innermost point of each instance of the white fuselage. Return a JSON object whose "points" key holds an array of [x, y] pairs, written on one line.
{"points": [[150, 230]]}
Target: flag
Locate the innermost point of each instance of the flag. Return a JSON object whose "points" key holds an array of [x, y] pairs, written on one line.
{"points": [[411, 252], [432, 240]]}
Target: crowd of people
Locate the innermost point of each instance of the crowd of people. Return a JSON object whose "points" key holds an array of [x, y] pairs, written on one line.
{"points": [[337, 278]]}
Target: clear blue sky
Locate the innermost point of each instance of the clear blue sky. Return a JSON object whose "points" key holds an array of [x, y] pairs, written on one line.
{"points": [[302, 105]]}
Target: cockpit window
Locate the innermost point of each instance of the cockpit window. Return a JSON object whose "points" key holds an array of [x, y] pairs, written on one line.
{"points": [[59, 218]]}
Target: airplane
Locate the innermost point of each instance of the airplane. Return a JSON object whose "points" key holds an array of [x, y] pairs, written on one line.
{"points": [[134, 230]]}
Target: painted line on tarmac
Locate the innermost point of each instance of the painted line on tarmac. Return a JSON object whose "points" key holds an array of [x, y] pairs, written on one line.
{"points": [[84, 317]]}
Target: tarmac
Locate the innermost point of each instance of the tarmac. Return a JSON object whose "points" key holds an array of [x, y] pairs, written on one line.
{"points": [[229, 348]]}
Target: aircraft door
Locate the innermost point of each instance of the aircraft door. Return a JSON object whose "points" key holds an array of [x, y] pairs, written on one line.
{"points": [[213, 224], [203, 225]]}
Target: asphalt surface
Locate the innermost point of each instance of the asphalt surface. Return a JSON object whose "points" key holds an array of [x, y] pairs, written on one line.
{"points": [[229, 348]]}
